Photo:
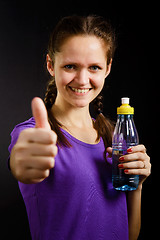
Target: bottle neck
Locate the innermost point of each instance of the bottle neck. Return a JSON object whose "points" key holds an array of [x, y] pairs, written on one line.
{"points": [[125, 116]]}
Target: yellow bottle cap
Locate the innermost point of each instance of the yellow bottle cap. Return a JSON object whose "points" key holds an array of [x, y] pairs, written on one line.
{"points": [[125, 108]]}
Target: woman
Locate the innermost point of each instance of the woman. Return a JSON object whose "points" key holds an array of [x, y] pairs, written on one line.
{"points": [[61, 157]]}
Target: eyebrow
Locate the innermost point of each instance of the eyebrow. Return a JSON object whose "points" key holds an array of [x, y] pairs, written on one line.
{"points": [[70, 62]]}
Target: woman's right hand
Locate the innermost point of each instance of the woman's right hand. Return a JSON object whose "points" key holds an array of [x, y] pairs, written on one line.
{"points": [[33, 155]]}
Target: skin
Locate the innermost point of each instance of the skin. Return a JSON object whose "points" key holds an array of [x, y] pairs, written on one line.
{"points": [[80, 70], [135, 162], [32, 156]]}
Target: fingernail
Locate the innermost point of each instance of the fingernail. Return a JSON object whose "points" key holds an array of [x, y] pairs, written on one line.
{"points": [[121, 158], [129, 150], [126, 171], [120, 165]]}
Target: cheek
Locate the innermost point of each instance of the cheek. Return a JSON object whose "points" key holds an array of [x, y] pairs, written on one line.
{"points": [[98, 81], [62, 79]]}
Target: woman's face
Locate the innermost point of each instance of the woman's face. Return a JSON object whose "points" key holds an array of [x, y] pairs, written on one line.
{"points": [[80, 69]]}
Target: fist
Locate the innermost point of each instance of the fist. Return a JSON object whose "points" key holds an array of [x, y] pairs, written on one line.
{"points": [[33, 155]]}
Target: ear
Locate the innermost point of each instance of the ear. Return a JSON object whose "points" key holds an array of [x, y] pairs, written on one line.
{"points": [[50, 65], [108, 68]]}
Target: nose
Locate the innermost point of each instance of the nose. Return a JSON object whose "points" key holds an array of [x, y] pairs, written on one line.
{"points": [[82, 77]]}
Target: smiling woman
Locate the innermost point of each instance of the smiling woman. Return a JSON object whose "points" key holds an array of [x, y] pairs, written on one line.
{"points": [[79, 72], [66, 183]]}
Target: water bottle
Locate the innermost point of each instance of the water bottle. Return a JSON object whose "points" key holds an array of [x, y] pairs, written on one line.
{"points": [[125, 136]]}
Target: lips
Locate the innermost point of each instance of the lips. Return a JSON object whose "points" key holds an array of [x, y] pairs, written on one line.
{"points": [[80, 90]]}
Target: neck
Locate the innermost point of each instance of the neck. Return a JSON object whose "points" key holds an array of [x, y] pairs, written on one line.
{"points": [[70, 116]]}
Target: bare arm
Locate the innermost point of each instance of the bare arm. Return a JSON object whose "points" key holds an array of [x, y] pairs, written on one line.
{"points": [[134, 212], [137, 162]]}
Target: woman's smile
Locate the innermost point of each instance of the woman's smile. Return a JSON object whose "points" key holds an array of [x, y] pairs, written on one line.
{"points": [[80, 91]]}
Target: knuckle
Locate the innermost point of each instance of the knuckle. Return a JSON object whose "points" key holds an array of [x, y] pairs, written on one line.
{"points": [[142, 146], [50, 136], [148, 158], [137, 164], [51, 163], [139, 155], [45, 173], [148, 172], [53, 136], [141, 164], [53, 150]]}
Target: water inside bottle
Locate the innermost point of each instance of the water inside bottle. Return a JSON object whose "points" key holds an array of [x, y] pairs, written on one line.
{"points": [[120, 180]]}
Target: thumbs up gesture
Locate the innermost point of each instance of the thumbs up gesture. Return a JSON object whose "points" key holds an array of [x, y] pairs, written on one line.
{"points": [[40, 113], [32, 156]]}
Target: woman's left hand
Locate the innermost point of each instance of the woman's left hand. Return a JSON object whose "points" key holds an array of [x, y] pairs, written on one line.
{"points": [[136, 162]]}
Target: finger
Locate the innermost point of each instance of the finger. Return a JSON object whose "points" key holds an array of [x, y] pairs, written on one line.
{"points": [[143, 172], [40, 135], [40, 163], [109, 151], [133, 157], [36, 175], [40, 113], [132, 165], [138, 148], [49, 150]]}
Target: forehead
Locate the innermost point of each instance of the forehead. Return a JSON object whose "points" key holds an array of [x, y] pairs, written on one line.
{"points": [[83, 48]]}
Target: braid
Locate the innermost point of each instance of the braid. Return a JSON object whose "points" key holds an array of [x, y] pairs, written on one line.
{"points": [[103, 125], [51, 94], [50, 97], [98, 104]]}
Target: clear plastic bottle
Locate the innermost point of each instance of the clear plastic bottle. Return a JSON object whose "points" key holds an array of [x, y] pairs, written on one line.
{"points": [[125, 136]]}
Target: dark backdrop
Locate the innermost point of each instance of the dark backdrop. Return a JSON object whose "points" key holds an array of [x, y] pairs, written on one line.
{"points": [[24, 31]]}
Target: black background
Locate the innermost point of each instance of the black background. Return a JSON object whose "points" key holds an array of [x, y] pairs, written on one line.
{"points": [[24, 31]]}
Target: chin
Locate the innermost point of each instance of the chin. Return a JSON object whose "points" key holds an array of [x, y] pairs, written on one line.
{"points": [[80, 104]]}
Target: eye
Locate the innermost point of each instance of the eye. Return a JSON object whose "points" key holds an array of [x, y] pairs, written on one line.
{"points": [[95, 68], [69, 66]]}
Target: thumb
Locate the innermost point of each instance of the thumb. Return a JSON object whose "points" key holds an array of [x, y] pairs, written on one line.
{"points": [[40, 113]]}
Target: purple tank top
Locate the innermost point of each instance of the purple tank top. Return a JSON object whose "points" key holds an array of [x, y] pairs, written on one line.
{"points": [[77, 201]]}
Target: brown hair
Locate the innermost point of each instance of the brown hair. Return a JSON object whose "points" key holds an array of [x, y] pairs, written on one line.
{"points": [[73, 26]]}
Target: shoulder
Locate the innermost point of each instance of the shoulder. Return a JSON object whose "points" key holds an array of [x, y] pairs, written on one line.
{"points": [[27, 124], [30, 123]]}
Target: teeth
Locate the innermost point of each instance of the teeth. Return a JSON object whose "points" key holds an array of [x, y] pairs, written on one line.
{"points": [[80, 90]]}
